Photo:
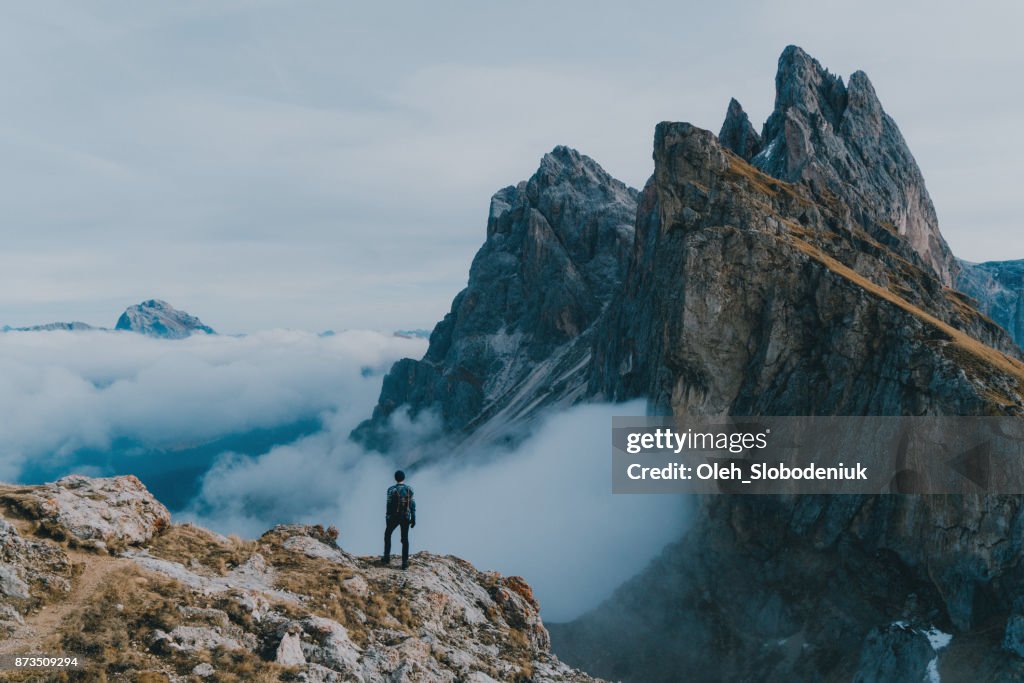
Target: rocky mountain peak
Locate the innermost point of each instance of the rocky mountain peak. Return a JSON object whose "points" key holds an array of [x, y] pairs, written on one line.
{"points": [[556, 251], [158, 318], [838, 138], [802, 83], [738, 133], [566, 165], [862, 102]]}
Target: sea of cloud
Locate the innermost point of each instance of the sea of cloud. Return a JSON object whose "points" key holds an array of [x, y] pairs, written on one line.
{"points": [[65, 392], [543, 510]]}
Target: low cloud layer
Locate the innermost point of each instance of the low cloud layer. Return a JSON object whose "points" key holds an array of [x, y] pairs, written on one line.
{"points": [[64, 393], [174, 412]]}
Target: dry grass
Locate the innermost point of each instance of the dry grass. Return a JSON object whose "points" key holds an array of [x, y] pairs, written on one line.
{"points": [[514, 643], [113, 640], [112, 623], [183, 542], [20, 503], [24, 504], [829, 202], [964, 307], [114, 627], [518, 585], [979, 359], [762, 182], [386, 604]]}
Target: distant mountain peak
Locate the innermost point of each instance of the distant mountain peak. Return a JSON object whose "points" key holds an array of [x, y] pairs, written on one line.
{"points": [[73, 326], [157, 318]]}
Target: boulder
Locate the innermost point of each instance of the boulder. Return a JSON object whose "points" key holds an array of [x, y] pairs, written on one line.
{"points": [[109, 513], [289, 651]]}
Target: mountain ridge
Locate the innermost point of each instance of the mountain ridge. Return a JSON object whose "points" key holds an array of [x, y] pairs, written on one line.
{"points": [[152, 317], [844, 132]]}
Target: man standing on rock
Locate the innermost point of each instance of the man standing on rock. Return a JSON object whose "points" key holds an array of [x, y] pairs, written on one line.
{"points": [[401, 512]]}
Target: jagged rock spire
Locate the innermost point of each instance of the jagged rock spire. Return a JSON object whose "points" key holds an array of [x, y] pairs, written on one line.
{"points": [[738, 133], [837, 137], [556, 251]]}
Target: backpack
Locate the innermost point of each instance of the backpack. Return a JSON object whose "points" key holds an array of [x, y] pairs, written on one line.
{"points": [[399, 502]]}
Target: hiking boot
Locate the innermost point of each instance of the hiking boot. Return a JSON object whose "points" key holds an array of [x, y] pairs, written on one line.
{"points": [[405, 565], [385, 561]]}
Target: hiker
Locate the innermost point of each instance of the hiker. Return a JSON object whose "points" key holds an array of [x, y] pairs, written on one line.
{"points": [[401, 512]]}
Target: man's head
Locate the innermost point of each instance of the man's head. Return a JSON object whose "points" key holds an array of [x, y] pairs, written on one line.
{"points": [[399, 476]]}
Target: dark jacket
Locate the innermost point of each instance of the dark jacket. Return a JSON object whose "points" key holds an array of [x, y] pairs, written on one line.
{"points": [[394, 496]]}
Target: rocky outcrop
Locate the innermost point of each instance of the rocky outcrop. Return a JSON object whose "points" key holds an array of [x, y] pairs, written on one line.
{"points": [[519, 334], [998, 291], [183, 602], [32, 571], [104, 514], [159, 319], [738, 134], [837, 137]]}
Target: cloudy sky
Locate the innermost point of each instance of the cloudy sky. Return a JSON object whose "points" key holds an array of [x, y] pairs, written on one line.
{"points": [[320, 165]]}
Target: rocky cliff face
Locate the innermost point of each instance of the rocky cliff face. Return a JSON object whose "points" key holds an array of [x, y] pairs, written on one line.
{"points": [[517, 338], [159, 319], [750, 295], [94, 567], [998, 290]]}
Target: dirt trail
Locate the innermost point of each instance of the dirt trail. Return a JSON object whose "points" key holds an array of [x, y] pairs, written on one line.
{"points": [[41, 625]]}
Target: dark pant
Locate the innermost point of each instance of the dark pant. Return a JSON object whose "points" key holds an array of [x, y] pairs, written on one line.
{"points": [[393, 523]]}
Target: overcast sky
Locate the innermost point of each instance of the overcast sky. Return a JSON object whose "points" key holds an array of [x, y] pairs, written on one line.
{"points": [[328, 165]]}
